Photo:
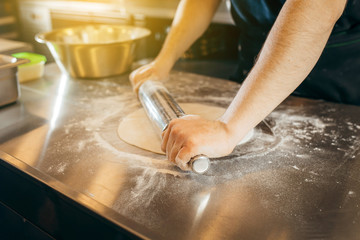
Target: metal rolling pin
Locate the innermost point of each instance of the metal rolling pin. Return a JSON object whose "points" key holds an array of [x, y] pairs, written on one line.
{"points": [[161, 108]]}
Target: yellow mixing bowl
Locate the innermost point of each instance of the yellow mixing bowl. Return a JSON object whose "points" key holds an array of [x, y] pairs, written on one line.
{"points": [[93, 51]]}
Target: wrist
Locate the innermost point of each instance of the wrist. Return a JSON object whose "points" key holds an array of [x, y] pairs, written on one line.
{"points": [[236, 130], [165, 59], [231, 136], [162, 66]]}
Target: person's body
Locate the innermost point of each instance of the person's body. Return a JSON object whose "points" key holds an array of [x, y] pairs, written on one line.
{"points": [[290, 52]]}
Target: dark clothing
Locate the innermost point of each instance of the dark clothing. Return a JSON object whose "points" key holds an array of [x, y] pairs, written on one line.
{"points": [[336, 76]]}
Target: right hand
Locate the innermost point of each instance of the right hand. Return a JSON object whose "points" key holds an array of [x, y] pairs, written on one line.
{"points": [[191, 135], [149, 71]]}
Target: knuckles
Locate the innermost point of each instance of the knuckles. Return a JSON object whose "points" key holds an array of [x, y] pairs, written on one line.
{"points": [[184, 138], [176, 131]]}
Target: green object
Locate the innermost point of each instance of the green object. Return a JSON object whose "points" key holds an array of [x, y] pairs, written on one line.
{"points": [[33, 57]]}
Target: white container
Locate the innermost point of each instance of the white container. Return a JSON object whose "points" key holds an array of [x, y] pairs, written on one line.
{"points": [[32, 70]]}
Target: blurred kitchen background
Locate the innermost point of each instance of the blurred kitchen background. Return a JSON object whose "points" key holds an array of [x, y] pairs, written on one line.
{"points": [[20, 20]]}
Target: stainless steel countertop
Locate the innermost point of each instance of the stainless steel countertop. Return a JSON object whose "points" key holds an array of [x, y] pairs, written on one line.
{"points": [[301, 182]]}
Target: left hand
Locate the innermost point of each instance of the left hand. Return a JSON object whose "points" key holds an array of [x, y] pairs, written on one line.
{"points": [[192, 135], [153, 71]]}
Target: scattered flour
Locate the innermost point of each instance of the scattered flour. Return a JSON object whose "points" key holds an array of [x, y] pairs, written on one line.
{"points": [[295, 139]]}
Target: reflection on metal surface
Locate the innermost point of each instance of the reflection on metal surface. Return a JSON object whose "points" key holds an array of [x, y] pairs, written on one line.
{"points": [[244, 212], [104, 185], [18, 125], [24, 147], [56, 110], [58, 101], [203, 202]]}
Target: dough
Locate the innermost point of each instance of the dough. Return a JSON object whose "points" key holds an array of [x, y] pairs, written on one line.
{"points": [[136, 129]]}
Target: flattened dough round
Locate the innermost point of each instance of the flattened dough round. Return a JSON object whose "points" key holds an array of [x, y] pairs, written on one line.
{"points": [[136, 129]]}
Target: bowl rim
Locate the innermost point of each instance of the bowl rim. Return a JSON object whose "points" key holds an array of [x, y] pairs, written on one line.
{"points": [[40, 37]]}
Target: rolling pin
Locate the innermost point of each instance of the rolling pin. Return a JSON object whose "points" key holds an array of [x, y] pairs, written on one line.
{"points": [[161, 108]]}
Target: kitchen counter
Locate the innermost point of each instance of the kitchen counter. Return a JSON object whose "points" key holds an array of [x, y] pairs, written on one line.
{"points": [[64, 170]]}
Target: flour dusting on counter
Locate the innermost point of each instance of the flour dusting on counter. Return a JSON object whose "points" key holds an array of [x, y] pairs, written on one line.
{"points": [[293, 131], [301, 163]]}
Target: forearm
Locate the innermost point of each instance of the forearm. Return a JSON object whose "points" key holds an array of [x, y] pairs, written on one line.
{"points": [[291, 50], [191, 20]]}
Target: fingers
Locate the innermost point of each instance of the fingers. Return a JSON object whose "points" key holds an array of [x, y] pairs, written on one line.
{"points": [[139, 76], [173, 144], [182, 159], [171, 141], [165, 137], [153, 71]]}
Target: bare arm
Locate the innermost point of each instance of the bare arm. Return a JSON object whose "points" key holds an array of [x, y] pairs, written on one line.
{"points": [[290, 52], [191, 20]]}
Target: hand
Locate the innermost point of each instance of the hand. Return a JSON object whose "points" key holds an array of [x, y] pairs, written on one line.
{"points": [[191, 135], [150, 71]]}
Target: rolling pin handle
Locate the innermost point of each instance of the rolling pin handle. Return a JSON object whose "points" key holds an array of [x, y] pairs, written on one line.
{"points": [[199, 164]]}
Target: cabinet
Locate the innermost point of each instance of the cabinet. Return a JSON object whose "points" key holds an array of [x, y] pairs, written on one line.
{"points": [[14, 226], [34, 17], [8, 21]]}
